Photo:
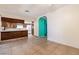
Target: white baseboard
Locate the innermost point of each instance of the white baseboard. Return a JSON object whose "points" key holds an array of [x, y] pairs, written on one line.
{"points": [[64, 43]]}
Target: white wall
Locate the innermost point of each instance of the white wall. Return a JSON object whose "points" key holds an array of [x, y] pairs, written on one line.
{"points": [[11, 15], [63, 25], [36, 31], [17, 16]]}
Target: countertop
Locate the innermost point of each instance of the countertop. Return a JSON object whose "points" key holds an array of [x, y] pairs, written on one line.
{"points": [[7, 30]]}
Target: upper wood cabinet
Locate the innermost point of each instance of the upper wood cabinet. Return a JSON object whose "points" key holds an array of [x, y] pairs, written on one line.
{"points": [[10, 22]]}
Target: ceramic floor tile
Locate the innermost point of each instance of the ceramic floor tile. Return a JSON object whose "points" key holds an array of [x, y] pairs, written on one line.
{"points": [[35, 46]]}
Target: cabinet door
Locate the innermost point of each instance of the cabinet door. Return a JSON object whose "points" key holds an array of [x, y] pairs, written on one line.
{"points": [[13, 34]]}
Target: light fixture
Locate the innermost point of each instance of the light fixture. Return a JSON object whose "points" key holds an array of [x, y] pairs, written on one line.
{"points": [[26, 10]]}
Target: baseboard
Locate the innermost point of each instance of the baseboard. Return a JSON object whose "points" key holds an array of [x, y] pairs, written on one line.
{"points": [[63, 44]]}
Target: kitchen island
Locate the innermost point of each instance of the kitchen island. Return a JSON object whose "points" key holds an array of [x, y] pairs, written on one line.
{"points": [[12, 34]]}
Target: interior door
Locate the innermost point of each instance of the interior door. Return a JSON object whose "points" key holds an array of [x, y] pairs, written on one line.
{"points": [[42, 27]]}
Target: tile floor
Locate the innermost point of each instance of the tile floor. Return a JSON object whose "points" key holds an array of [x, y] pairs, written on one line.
{"points": [[35, 46]]}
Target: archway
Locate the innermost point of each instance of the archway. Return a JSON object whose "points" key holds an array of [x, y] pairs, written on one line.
{"points": [[43, 26]]}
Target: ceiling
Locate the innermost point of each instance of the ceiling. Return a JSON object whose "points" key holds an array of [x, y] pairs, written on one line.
{"points": [[34, 9]]}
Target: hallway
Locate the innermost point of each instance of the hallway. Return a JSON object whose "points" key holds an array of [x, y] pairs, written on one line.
{"points": [[35, 46]]}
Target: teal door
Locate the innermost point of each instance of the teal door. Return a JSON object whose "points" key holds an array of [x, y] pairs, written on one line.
{"points": [[43, 26]]}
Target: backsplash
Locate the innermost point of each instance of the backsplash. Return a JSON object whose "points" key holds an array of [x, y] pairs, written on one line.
{"points": [[8, 25]]}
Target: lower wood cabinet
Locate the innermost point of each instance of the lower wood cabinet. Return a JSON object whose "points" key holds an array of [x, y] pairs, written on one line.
{"points": [[13, 34]]}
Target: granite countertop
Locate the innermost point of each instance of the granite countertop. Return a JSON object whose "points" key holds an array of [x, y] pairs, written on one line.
{"points": [[7, 30]]}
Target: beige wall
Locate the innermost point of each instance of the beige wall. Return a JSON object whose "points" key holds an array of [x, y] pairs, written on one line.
{"points": [[63, 25]]}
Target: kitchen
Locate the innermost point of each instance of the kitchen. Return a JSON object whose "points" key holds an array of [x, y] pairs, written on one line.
{"points": [[12, 28]]}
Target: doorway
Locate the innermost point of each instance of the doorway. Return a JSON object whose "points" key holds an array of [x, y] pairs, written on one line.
{"points": [[43, 26], [30, 27]]}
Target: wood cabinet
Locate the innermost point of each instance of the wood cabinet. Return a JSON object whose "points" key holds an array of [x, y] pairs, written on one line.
{"points": [[13, 34], [10, 22]]}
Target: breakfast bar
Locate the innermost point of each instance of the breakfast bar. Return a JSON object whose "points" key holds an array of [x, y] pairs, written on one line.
{"points": [[7, 35]]}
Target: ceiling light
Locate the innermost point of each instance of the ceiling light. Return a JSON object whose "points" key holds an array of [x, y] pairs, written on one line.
{"points": [[26, 10]]}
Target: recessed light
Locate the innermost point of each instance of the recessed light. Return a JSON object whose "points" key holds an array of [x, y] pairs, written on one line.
{"points": [[26, 10]]}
